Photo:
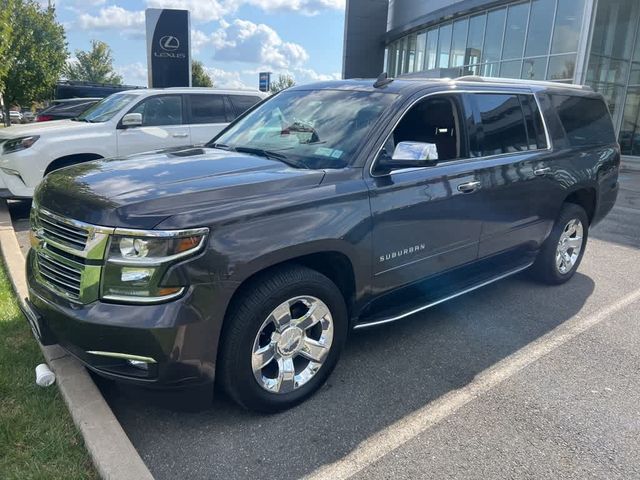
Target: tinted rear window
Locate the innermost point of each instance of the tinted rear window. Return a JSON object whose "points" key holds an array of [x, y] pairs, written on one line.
{"points": [[503, 125], [586, 121], [208, 109], [242, 103]]}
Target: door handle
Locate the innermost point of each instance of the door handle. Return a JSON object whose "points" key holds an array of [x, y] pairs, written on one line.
{"points": [[180, 135], [468, 187], [542, 171]]}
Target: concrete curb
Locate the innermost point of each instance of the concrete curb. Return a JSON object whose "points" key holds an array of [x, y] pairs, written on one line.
{"points": [[111, 450]]}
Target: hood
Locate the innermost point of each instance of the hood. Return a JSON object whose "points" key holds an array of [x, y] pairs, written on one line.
{"points": [[45, 128], [141, 190]]}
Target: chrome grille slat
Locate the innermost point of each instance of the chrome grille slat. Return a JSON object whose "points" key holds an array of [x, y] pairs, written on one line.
{"points": [[57, 230], [76, 268], [83, 235], [57, 271], [61, 277], [74, 289], [63, 238]]}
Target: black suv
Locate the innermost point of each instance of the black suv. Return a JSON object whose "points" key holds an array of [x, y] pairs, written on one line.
{"points": [[328, 207]]}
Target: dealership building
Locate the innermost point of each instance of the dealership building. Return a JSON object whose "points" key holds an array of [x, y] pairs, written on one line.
{"points": [[592, 42]]}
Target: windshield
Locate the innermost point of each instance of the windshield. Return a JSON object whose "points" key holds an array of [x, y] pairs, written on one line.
{"points": [[314, 129], [104, 110]]}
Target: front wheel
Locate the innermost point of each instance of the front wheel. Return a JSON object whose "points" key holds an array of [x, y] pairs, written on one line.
{"points": [[562, 252], [283, 338]]}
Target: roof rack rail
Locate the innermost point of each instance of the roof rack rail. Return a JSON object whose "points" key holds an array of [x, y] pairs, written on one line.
{"points": [[517, 81]]}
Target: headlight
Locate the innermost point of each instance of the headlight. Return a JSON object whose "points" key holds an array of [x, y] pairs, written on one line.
{"points": [[17, 144], [137, 261]]}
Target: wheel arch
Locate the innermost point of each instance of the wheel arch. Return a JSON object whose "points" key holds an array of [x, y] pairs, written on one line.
{"points": [[585, 197]]}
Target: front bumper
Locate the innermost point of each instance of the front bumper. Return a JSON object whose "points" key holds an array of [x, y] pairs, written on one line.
{"points": [[180, 336]]}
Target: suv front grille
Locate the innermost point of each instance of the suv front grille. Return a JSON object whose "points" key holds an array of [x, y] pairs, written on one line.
{"points": [[55, 229], [64, 278], [68, 255]]}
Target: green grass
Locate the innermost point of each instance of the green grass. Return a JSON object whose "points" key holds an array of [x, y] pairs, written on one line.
{"points": [[38, 439]]}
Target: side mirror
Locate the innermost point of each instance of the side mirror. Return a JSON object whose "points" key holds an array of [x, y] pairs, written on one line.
{"points": [[132, 120], [410, 155]]}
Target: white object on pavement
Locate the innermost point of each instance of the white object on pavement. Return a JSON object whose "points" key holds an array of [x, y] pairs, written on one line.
{"points": [[44, 376]]}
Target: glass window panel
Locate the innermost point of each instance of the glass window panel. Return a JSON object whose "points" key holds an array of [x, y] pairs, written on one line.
{"points": [[566, 30], [473, 53], [502, 123], [444, 46], [493, 36], [459, 43], [515, 31], [586, 121], [410, 54], [534, 68], [535, 127], [562, 67], [421, 43], [511, 69], [402, 50], [615, 27], [164, 110], [391, 66], [472, 70], [540, 22], [630, 129], [491, 70], [432, 49]]}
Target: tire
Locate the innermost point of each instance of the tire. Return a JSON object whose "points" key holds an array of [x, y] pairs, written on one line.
{"points": [[251, 336], [548, 267]]}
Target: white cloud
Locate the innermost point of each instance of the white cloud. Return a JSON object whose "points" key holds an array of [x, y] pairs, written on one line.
{"points": [[306, 7], [245, 41], [226, 79], [133, 73], [112, 17], [201, 10]]}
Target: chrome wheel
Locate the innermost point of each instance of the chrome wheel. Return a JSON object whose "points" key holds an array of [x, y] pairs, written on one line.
{"points": [[292, 344], [569, 246]]}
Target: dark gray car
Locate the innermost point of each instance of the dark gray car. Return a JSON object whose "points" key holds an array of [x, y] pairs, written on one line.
{"points": [[327, 208]]}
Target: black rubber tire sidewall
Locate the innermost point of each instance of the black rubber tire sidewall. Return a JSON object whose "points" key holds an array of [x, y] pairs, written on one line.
{"points": [[545, 268], [248, 313]]}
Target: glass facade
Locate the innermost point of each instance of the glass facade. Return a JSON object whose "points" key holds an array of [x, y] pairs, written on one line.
{"points": [[614, 66], [534, 39], [539, 40]]}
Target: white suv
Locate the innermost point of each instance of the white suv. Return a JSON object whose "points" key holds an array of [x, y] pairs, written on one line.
{"points": [[122, 124]]}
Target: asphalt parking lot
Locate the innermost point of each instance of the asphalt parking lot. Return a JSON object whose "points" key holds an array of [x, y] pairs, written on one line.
{"points": [[516, 380]]}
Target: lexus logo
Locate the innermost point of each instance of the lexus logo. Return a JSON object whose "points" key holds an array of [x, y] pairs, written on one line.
{"points": [[169, 43]]}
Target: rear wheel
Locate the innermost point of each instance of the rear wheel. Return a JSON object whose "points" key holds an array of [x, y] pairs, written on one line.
{"points": [[562, 252], [283, 338]]}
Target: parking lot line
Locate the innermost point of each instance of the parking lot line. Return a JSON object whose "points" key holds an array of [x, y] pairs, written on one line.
{"points": [[409, 427]]}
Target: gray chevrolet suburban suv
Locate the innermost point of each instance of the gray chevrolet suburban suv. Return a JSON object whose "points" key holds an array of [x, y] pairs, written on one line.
{"points": [[326, 208]]}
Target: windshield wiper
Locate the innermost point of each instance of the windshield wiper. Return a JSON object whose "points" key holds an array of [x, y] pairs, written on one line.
{"points": [[268, 154]]}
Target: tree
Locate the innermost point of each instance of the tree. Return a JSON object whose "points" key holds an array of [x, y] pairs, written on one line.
{"points": [[6, 27], [35, 56], [284, 81], [95, 65], [199, 76]]}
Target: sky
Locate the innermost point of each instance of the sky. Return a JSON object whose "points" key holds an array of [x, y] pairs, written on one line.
{"points": [[235, 39]]}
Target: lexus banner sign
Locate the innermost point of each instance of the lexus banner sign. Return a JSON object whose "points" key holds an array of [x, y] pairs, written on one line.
{"points": [[168, 48]]}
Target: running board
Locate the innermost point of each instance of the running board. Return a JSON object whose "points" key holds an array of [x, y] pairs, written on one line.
{"points": [[444, 299]]}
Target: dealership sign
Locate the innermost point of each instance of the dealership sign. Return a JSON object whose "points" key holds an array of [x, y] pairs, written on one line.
{"points": [[168, 48], [265, 81]]}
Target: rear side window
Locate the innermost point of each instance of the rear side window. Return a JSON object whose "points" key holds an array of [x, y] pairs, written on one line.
{"points": [[533, 120], [207, 109], [242, 103], [586, 121], [502, 124]]}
